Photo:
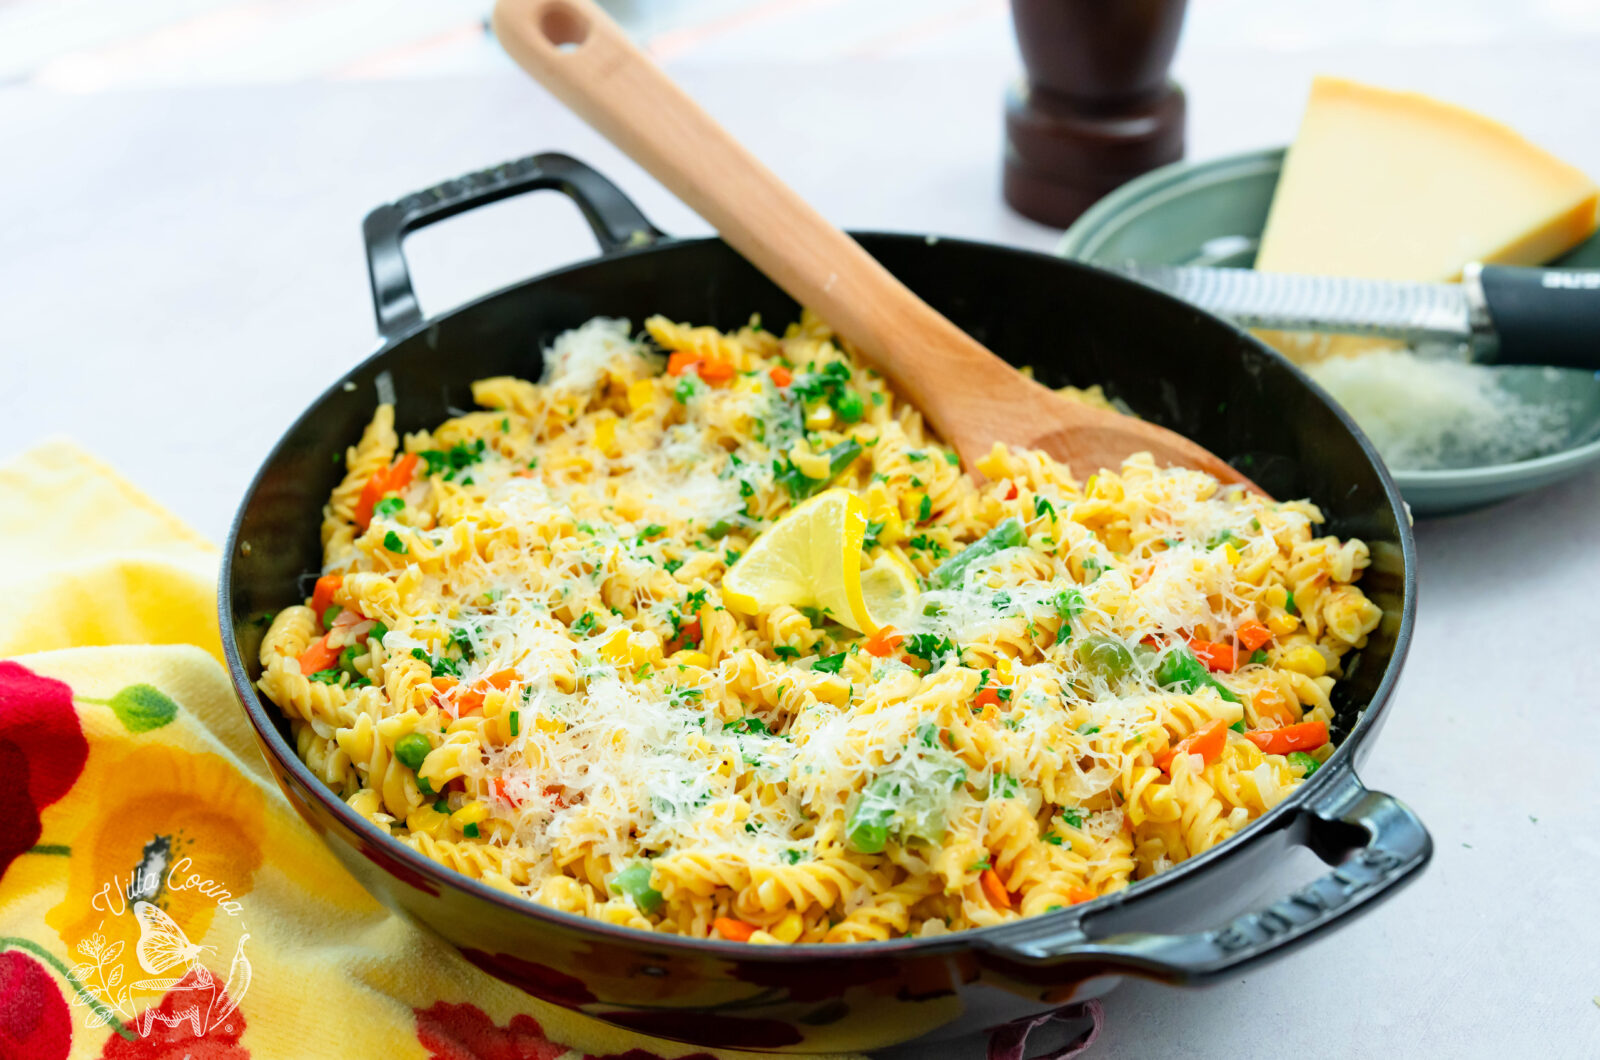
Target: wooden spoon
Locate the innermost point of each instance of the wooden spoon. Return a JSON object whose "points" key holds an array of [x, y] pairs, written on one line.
{"points": [[968, 395]]}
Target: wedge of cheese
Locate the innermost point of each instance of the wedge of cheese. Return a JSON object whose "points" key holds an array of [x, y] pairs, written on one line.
{"points": [[1394, 185]]}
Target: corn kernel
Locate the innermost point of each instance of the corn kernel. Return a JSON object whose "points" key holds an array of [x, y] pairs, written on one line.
{"points": [[1003, 666], [605, 435], [692, 658], [615, 649], [788, 929], [819, 418], [911, 505], [549, 726], [1282, 623], [1304, 660], [473, 812], [641, 394], [807, 462], [1232, 555], [762, 938], [428, 820]]}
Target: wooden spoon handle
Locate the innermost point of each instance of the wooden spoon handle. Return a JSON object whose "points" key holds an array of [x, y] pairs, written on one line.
{"points": [[577, 52]]}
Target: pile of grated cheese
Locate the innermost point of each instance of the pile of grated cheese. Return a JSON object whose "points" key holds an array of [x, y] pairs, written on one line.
{"points": [[1428, 413]]}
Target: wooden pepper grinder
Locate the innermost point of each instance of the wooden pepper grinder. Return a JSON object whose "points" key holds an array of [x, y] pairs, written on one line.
{"points": [[1097, 108]]}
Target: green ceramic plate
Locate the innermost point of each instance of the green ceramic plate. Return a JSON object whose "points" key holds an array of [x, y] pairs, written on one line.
{"points": [[1212, 213]]}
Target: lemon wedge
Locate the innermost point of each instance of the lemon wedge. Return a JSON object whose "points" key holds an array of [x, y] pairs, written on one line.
{"points": [[812, 558]]}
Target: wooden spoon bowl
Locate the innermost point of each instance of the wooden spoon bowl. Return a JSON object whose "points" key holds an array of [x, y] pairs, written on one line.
{"points": [[969, 396]]}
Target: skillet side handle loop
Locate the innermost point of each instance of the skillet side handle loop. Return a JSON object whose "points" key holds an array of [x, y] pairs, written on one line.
{"points": [[615, 220], [1376, 844]]}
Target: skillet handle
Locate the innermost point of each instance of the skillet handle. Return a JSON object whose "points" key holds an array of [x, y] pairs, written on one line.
{"points": [[1375, 843], [616, 221]]}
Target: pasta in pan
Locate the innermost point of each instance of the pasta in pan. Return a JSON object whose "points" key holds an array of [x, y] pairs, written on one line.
{"points": [[521, 661]]}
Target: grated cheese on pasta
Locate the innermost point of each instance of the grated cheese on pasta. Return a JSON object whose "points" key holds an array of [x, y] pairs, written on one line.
{"points": [[558, 702]]}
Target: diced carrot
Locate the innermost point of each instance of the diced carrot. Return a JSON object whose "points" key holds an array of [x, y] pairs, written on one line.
{"points": [[994, 890], [371, 494], [384, 481], [1219, 658], [322, 595], [400, 475], [715, 372], [1208, 743], [502, 679], [443, 684], [553, 793], [1272, 705], [1079, 895], [1252, 634], [733, 930], [986, 697], [499, 786], [524, 473], [469, 702], [781, 375], [1302, 736], [883, 642], [681, 361], [1011, 492], [319, 656], [688, 633]]}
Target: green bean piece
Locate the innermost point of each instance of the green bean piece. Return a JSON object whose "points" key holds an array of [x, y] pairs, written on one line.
{"points": [[634, 881], [1008, 533], [1181, 671], [1304, 761], [849, 406]]}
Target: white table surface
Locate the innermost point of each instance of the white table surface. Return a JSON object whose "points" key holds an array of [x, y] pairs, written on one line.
{"points": [[181, 272]]}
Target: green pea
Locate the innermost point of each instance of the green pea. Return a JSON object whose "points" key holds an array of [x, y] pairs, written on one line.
{"points": [[1304, 761], [347, 660], [634, 881], [329, 615], [1106, 656], [379, 631], [411, 749], [867, 829], [849, 406]]}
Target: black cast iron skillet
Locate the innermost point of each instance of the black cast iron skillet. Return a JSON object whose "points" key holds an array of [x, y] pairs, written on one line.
{"points": [[1074, 324]]}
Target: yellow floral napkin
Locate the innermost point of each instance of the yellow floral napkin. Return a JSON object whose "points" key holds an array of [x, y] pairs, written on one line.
{"points": [[158, 896]]}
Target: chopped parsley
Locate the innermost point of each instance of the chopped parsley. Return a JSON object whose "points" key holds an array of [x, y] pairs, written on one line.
{"points": [[453, 459], [392, 542], [584, 624], [1042, 507], [1072, 815], [748, 725], [934, 649], [388, 506], [830, 664]]}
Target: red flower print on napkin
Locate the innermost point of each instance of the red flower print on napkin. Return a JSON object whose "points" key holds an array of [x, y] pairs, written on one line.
{"points": [[465, 1032], [167, 1031], [42, 744], [34, 1019]]}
